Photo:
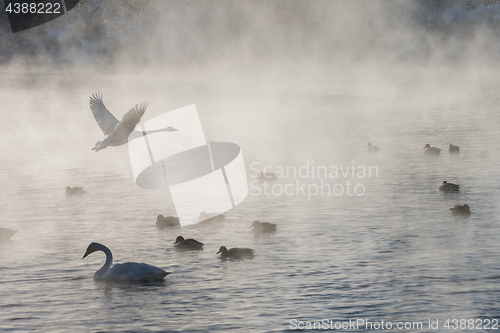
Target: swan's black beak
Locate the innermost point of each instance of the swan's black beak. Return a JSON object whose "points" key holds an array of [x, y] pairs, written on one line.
{"points": [[218, 252], [86, 254]]}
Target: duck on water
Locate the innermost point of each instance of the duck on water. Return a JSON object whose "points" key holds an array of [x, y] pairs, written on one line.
{"points": [[236, 253], [189, 244]]}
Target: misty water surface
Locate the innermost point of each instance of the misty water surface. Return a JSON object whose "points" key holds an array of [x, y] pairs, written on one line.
{"points": [[393, 253], [296, 84]]}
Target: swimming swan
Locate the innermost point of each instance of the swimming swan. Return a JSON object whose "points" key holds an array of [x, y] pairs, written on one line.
{"points": [[118, 131], [129, 272]]}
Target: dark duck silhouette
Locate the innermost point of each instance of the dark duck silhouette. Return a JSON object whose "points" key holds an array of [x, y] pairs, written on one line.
{"points": [[263, 227], [72, 191], [236, 253], [169, 221], [449, 187], [458, 210], [454, 150], [371, 149], [189, 244], [431, 151]]}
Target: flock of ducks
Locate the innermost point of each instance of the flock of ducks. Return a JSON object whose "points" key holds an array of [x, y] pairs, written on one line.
{"points": [[139, 272], [428, 150], [434, 151], [457, 210], [190, 244], [132, 272], [117, 133]]}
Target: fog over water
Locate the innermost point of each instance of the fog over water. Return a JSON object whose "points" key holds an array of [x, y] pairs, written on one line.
{"points": [[298, 85], [193, 32]]}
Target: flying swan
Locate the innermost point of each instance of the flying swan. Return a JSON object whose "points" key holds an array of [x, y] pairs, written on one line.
{"points": [[129, 272], [118, 132]]}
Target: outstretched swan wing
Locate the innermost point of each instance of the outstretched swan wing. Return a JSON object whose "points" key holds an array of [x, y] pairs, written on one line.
{"points": [[106, 121], [129, 121]]}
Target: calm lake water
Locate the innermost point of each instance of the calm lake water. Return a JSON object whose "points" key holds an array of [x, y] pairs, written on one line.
{"points": [[392, 254]]}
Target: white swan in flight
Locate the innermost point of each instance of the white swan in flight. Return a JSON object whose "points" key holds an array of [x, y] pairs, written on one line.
{"points": [[118, 131], [129, 272]]}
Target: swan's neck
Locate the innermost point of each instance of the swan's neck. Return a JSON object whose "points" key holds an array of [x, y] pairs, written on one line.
{"points": [[138, 134], [107, 265], [154, 131]]}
